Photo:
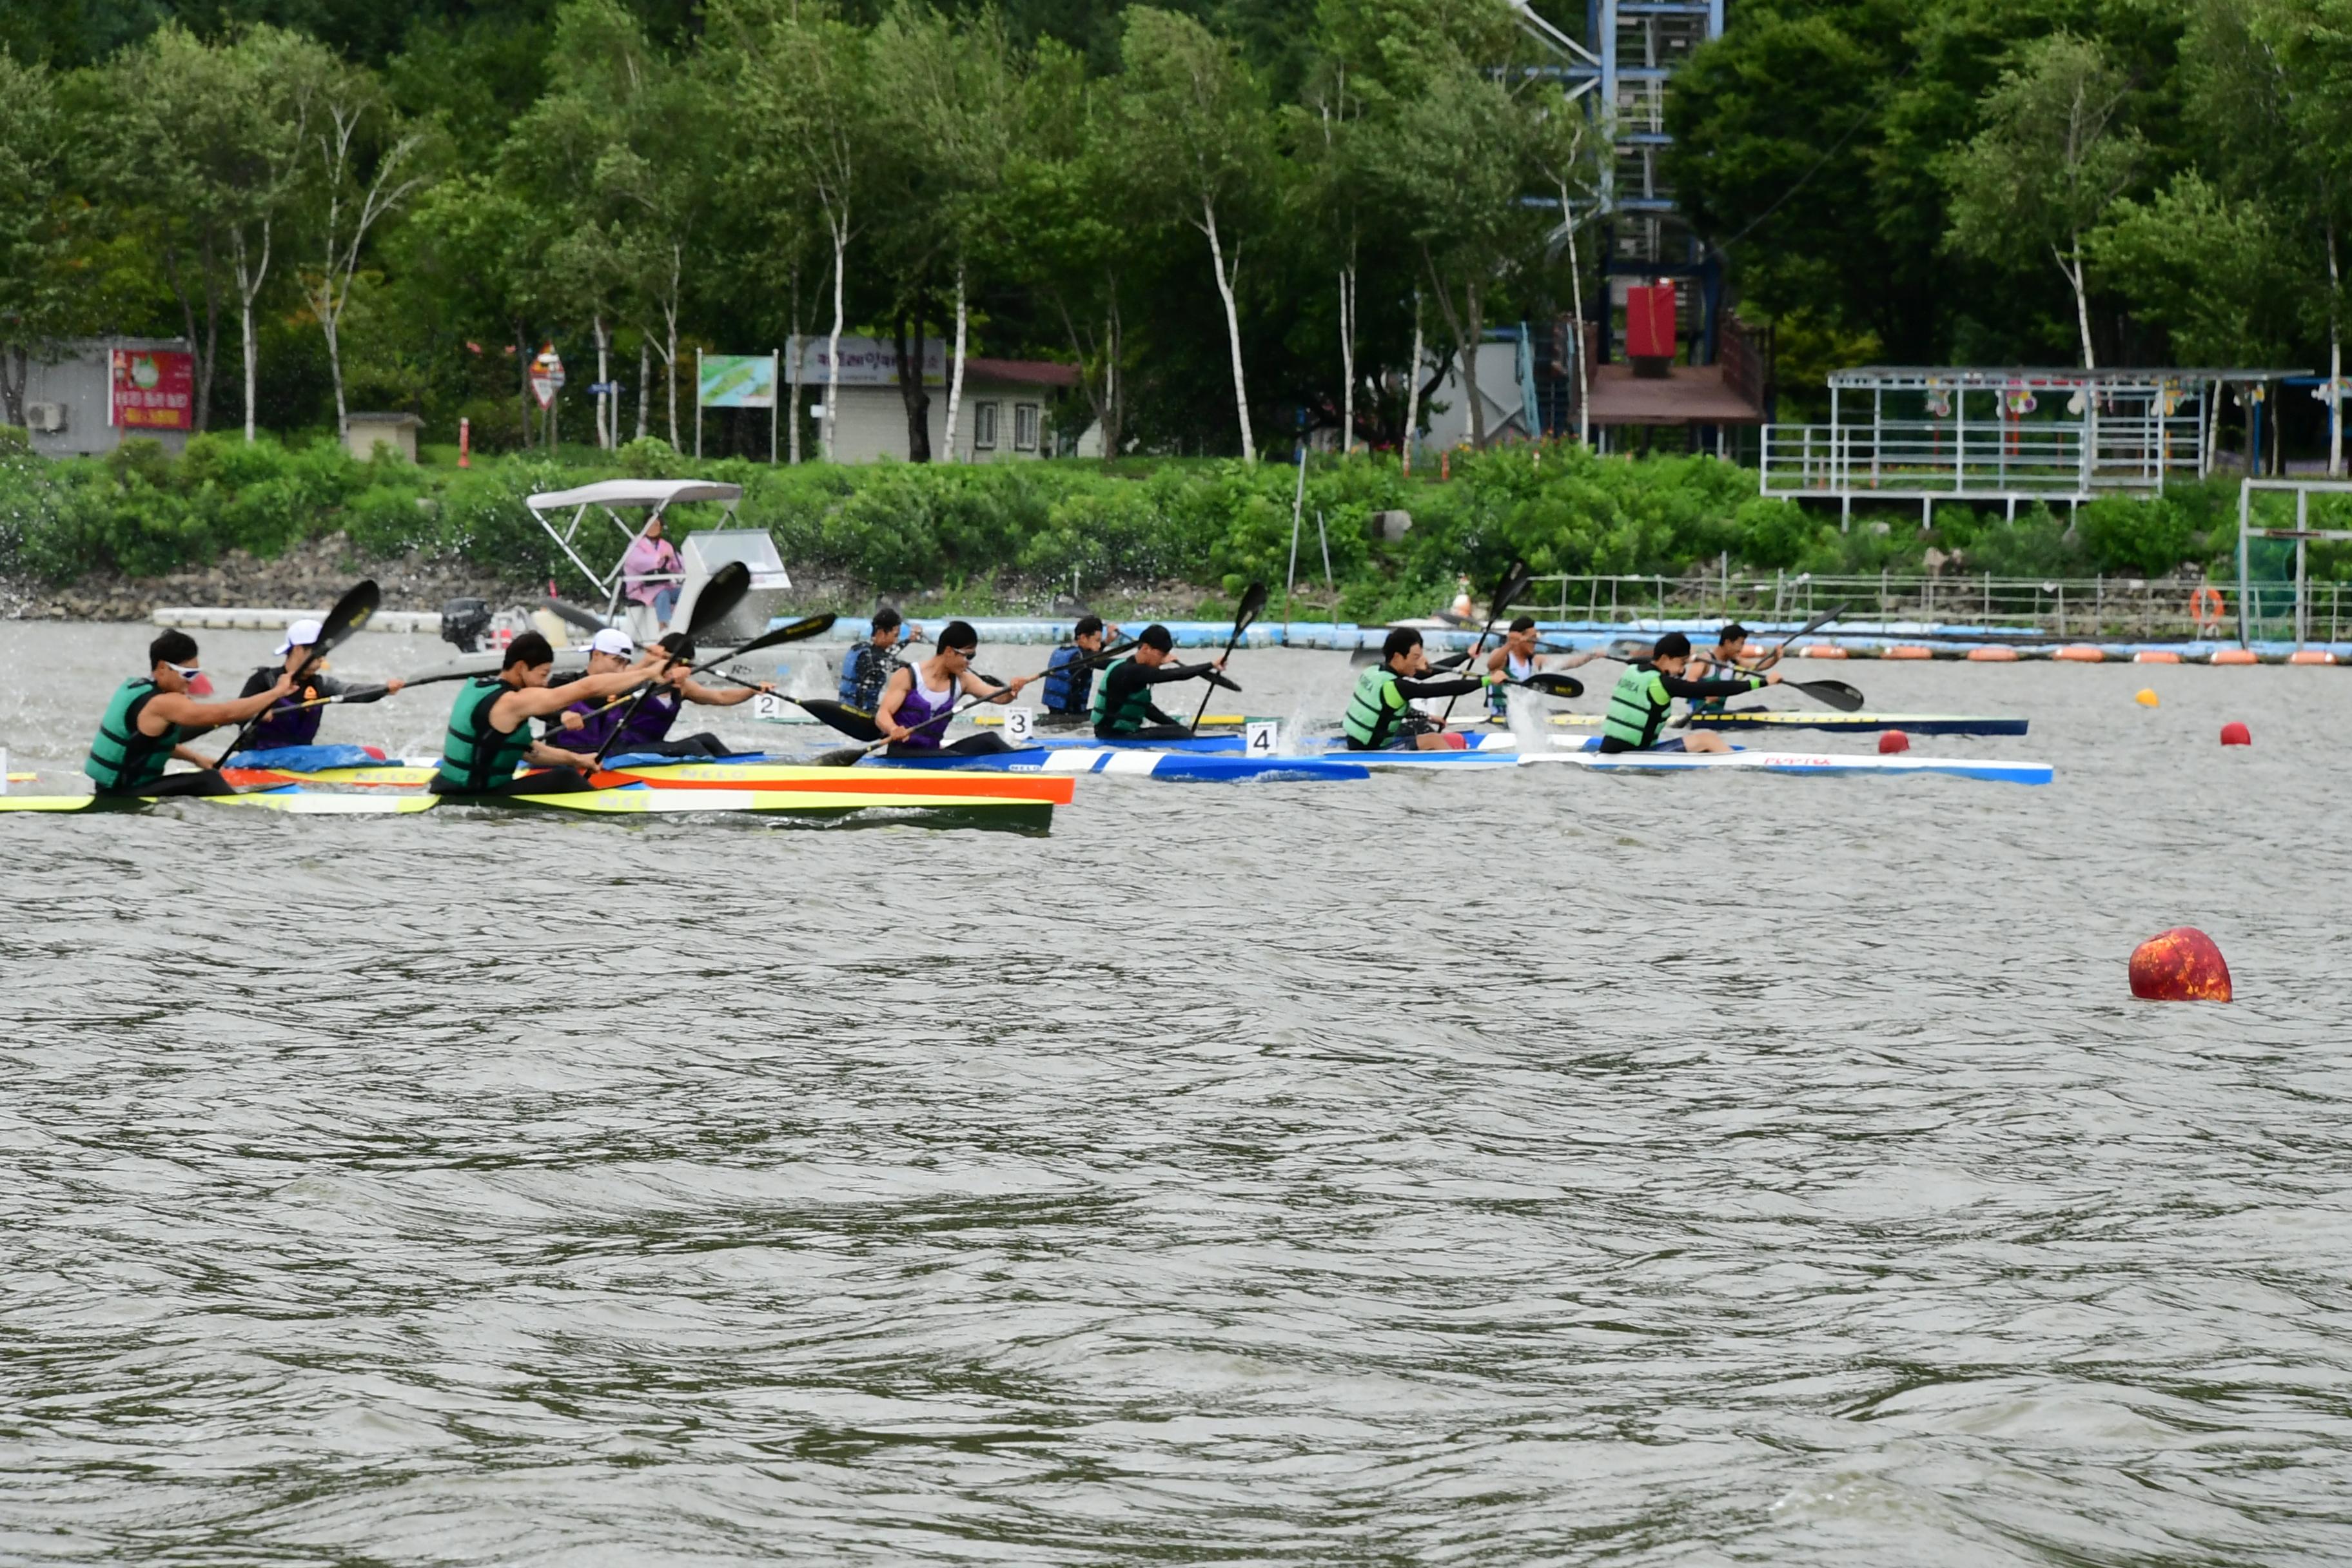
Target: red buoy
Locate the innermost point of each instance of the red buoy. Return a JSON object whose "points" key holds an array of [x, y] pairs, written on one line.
{"points": [[1893, 740], [2234, 733], [2180, 965]]}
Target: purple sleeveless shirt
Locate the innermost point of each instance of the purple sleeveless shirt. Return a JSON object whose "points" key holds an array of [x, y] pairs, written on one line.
{"points": [[927, 718]]}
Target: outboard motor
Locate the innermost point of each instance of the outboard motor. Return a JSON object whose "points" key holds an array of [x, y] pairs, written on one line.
{"points": [[464, 623]]}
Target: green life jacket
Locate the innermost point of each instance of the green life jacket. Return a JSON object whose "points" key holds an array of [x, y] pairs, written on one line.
{"points": [[1133, 713], [1637, 708], [476, 758], [122, 761], [1374, 708]]}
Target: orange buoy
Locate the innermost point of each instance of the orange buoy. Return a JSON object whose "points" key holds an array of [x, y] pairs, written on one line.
{"points": [[2081, 653], [1992, 656], [2180, 965], [2235, 734], [2145, 697], [2156, 655], [2236, 655], [1893, 740], [1907, 650], [1821, 650], [2311, 656]]}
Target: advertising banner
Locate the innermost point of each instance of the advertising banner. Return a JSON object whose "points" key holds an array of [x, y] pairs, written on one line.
{"points": [[153, 390], [868, 361], [738, 381]]}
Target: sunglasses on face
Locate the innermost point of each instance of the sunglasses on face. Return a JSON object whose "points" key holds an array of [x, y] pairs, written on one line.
{"points": [[185, 672]]}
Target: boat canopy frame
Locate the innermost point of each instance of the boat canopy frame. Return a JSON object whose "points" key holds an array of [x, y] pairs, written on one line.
{"points": [[657, 495]]}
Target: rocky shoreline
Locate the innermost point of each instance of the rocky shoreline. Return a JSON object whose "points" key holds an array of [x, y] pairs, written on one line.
{"points": [[315, 573]]}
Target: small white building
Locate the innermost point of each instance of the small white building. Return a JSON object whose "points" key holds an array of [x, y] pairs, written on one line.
{"points": [[1001, 419], [364, 433], [88, 395]]}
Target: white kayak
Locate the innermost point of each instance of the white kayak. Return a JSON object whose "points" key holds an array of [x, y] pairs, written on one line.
{"points": [[1998, 770]]}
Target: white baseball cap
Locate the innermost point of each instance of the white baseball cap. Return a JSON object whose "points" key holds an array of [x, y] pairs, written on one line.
{"points": [[301, 634], [612, 640]]}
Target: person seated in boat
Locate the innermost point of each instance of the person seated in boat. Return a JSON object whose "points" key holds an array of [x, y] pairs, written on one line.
{"points": [[919, 699], [1515, 659], [869, 665], [649, 570], [1070, 679], [153, 717], [489, 724], [1123, 708], [1728, 657], [644, 722], [294, 722], [1644, 693], [1380, 715]]}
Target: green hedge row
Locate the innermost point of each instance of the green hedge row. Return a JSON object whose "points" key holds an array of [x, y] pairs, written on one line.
{"points": [[974, 530]]}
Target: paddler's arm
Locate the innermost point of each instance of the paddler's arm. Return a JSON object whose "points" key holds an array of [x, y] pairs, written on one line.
{"points": [[1416, 689], [885, 706], [166, 709], [548, 756], [1730, 686], [545, 701], [709, 697]]}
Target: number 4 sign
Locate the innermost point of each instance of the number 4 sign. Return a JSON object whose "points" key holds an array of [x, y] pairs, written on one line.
{"points": [[1261, 738]]}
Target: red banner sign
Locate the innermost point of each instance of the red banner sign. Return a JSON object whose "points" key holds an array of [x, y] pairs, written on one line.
{"points": [[153, 390]]}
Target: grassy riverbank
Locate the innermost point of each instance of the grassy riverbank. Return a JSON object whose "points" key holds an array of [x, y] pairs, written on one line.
{"points": [[1008, 536]]}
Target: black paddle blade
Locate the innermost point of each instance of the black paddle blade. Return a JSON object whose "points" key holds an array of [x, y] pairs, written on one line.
{"points": [[1252, 601], [1216, 678], [722, 592], [1835, 694], [854, 722], [1514, 583], [1451, 661], [352, 612], [846, 757], [1555, 685]]}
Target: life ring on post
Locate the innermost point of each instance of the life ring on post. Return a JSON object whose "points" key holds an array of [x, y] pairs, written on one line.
{"points": [[2207, 607]]}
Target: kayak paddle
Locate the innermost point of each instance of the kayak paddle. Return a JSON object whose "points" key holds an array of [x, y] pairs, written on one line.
{"points": [[805, 627], [350, 613], [1252, 601], [1514, 583]]}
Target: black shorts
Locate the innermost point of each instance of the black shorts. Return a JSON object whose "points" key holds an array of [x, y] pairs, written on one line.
{"points": [[1148, 732], [986, 745], [176, 787], [1611, 746]]}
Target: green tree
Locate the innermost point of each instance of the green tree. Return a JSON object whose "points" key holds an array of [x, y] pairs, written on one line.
{"points": [[203, 148], [34, 294], [2311, 43], [801, 70], [1199, 139], [2052, 158]]}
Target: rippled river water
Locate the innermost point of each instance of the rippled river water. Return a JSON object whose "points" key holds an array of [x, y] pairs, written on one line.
{"points": [[1508, 1167]]}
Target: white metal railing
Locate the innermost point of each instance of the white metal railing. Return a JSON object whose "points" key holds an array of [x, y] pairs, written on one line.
{"points": [[2100, 606], [1988, 459]]}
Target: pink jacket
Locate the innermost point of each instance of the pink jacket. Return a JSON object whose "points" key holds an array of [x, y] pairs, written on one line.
{"points": [[646, 558]]}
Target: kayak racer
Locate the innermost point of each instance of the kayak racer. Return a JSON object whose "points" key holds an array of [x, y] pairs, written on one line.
{"points": [[1726, 659], [150, 719], [1645, 692], [918, 699], [1380, 716], [1069, 691], [869, 665], [490, 725], [1515, 660], [1123, 708], [643, 727], [294, 722]]}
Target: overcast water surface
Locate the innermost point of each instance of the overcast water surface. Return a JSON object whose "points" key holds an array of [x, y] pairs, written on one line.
{"points": [[1506, 1167]]}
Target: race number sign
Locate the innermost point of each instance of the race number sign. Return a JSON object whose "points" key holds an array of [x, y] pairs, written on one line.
{"points": [[1020, 726], [1261, 738]]}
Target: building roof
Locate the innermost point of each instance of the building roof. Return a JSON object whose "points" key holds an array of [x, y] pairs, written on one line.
{"points": [[635, 492], [383, 419], [1894, 376], [1022, 372], [1686, 395]]}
